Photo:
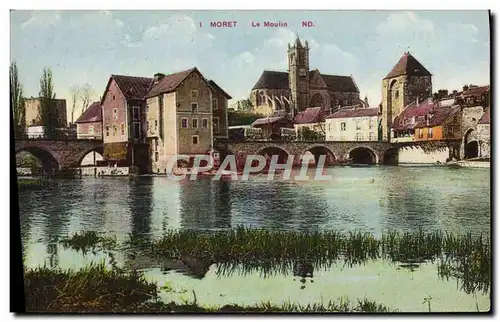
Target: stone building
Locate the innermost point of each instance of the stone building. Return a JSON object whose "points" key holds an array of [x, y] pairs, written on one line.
{"points": [[407, 82], [147, 120], [33, 116], [300, 88], [310, 124], [89, 124], [483, 131], [353, 123], [474, 101]]}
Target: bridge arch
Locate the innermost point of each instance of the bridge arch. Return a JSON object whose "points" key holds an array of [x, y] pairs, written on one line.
{"points": [[270, 150], [48, 158], [99, 150], [471, 144], [362, 155], [318, 150], [391, 156]]}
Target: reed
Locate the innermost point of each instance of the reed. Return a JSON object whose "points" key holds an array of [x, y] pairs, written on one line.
{"points": [[463, 256], [89, 241], [98, 289]]}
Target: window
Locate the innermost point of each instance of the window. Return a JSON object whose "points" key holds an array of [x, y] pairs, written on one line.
{"points": [[156, 156], [113, 97], [156, 144], [135, 113], [147, 108], [195, 123], [372, 124], [115, 114], [342, 126], [358, 125], [429, 133], [115, 130], [107, 130], [215, 123], [156, 125], [214, 104], [184, 122], [91, 129], [204, 123], [195, 139], [33, 121], [396, 94], [194, 107], [329, 126], [359, 136], [122, 128], [372, 136], [420, 133], [194, 93], [137, 130]]}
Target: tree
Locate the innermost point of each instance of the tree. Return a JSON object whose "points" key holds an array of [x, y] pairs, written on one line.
{"points": [[17, 101], [75, 94], [48, 110], [86, 95], [244, 105]]}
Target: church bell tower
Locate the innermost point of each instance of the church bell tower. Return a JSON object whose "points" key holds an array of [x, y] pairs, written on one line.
{"points": [[298, 75]]}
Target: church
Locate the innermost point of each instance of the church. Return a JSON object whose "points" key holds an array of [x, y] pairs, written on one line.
{"points": [[300, 88]]}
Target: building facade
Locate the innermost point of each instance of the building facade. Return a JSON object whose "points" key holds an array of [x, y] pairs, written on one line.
{"points": [[439, 123], [407, 82], [89, 124], [300, 88], [310, 124], [353, 124], [33, 115], [148, 120], [483, 130]]}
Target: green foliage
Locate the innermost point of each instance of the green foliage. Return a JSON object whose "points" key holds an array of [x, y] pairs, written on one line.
{"points": [[306, 134], [244, 105], [242, 117], [49, 113], [96, 288], [26, 160], [17, 101]]}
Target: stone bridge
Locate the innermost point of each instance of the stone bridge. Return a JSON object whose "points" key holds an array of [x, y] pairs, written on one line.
{"points": [[59, 154], [368, 152]]}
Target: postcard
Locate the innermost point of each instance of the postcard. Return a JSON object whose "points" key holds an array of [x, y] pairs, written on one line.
{"points": [[252, 161]]}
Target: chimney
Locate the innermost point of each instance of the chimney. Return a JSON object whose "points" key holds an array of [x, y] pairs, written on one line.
{"points": [[158, 77], [417, 99]]}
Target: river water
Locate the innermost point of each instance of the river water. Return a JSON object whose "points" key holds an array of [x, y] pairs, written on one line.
{"points": [[372, 199]]}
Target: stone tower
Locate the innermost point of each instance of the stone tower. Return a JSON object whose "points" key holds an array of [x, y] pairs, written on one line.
{"points": [[298, 77], [407, 82]]}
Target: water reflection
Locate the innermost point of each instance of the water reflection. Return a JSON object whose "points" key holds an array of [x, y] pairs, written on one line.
{"points": [[205, 204], [140, 204]]}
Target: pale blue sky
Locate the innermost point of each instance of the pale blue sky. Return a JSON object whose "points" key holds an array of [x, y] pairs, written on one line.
{"points": [[88, 46]]}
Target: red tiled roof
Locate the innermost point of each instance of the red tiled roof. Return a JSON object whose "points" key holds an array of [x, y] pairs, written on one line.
{"points": [[134, 88], [477, 91], [354, 112], [218, 89], [485, 119], [310, 115], [408, 65], [437, 116], [92, 114], [169, 82], [279, 80], [409, 112]]}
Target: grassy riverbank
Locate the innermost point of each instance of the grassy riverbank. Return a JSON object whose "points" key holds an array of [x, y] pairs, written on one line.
{"points": [[244, 250], [99, 289]]}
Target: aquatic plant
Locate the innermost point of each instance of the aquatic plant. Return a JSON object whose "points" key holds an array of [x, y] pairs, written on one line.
{"points": [[98, 289], [89, 241]]}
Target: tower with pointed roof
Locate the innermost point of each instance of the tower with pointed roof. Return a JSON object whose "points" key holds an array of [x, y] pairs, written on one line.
{"points": [[298, 68], [407, 82]]}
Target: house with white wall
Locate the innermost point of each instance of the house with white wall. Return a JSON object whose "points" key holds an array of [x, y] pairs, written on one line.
{"points": [[353, 124]]}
